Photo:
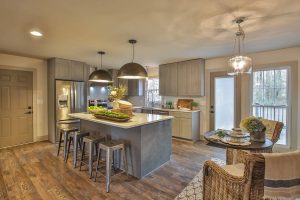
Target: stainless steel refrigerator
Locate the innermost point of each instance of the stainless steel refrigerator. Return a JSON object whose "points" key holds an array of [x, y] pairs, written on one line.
{"points": [[71, 97]]}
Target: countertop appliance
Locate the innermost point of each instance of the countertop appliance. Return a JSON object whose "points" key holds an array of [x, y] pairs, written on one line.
{"points": [[70, 98]]}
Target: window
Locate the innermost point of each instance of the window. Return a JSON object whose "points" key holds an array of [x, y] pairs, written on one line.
{"points": [[152, 92], [270, 97]]}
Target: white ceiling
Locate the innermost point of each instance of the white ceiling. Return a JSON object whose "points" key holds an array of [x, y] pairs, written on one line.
{"points": [[166, 30]]}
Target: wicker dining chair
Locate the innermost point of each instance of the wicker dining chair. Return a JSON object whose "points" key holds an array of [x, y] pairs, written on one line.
{"points": [[220, 184], [273, 130]]}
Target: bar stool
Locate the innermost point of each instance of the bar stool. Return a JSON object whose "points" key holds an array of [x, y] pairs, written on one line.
{"points": [[111, 146], [76, 139], [65, 132], [92, 141]]}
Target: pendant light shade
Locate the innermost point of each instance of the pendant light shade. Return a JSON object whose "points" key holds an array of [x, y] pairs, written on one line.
{"points": [[100, 75], [239, 64], [132, 70]]}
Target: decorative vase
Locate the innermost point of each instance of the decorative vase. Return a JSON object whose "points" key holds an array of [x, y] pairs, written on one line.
{"points": [[115, 104], [258, 136]]}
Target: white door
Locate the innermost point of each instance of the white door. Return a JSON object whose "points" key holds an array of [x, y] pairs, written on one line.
{"points": [[225, 101], [15, 108]]}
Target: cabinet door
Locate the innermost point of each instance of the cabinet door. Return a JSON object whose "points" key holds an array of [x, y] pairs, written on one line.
{"points": [[191, 78], [186, 128], [176, 127], [62, 69], [163, 75], [171, 80], [183, 77], [77, 71]]}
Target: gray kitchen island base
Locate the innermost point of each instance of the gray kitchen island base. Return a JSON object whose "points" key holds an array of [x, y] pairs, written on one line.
{"points": [[147, 146]]}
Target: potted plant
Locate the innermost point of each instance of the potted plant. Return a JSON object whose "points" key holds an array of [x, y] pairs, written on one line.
{"points": [[255, 127], [115, 94], [194, 105]]}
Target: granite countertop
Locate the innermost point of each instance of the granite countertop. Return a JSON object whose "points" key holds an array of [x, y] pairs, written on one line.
{"points": [[165, 109], [139, 119]]}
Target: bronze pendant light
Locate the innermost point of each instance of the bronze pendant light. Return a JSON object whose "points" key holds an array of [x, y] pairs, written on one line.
{"points": [[132, 70], [100, 75]]}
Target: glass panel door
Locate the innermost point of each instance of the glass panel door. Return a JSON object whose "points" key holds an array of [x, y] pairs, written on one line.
{"points": [[270, 97], [224, 103]]}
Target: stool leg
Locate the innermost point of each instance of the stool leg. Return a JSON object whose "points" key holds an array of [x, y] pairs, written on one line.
{"points": [[82, 155], [125, 160], [98, 161], [65, 144], [68, 150], [59, 143], [108, 168], [90, 159], [75, 143]]}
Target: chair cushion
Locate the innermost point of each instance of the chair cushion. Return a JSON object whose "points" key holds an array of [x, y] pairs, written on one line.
{"points": [[236, 170]]}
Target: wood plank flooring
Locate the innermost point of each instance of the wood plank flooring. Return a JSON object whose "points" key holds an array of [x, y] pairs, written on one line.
{"points": [[34, 171]]}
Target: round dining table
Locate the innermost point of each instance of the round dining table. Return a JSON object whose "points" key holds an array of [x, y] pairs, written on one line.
{"points": [[252, 147]]}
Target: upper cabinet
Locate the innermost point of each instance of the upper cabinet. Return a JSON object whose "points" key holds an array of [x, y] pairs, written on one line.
{"points": [[68, 69], [168, 79], [185, 78], [191, 78]]}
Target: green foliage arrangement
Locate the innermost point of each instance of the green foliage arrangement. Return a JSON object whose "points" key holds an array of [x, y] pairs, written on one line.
{"points": [[111, 114], [116, 93], [96, 109], [194, 104], [252, 125]]}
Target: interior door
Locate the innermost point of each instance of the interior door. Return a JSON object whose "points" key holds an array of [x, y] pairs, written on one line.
{"points": [[225, 101], [16, 122]]}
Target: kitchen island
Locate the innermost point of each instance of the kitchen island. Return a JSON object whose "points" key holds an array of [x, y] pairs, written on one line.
{"points": [[147, 138]]}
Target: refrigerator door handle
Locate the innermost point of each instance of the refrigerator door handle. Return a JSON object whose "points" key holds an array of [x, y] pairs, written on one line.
{"points": [[72, 97]]}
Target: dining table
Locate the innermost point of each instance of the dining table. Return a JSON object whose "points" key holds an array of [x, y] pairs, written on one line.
{"points": [[252, 146]]}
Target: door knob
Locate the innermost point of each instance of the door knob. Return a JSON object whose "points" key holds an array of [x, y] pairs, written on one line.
{"points": [[29, 112]]}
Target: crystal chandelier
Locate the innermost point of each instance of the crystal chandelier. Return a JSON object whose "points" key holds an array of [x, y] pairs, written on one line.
{"points": [[239, 64]]}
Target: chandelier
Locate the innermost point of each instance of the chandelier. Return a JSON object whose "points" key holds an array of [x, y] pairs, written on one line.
{"points": [[239, 64]]}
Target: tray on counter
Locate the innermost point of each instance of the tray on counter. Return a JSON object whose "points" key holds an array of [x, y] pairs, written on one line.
{"points": [[111, 118]]}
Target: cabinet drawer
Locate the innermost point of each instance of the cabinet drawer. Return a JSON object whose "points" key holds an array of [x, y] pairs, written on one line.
{"points": [[181, 114]]}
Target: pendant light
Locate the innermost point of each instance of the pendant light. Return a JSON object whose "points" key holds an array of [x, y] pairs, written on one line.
{"points": [[100, 75], [239, 64], [132, 70]]}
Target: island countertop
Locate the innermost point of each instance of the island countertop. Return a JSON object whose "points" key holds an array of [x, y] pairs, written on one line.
{"points": [[139, 119]]}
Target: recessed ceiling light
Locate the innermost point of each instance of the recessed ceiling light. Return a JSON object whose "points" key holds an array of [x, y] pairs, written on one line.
{"points": [[36, 33]]}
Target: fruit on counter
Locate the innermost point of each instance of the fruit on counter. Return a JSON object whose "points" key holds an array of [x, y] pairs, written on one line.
{"points": [[111, 114], [96, 109]]}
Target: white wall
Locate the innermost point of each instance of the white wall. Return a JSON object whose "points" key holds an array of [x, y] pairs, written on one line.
{"points": [[289, 55], [39, 69]]}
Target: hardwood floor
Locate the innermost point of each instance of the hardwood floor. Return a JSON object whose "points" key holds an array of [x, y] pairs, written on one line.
{"points": [[34, 171]]}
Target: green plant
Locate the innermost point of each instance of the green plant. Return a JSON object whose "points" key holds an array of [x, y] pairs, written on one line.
{"points": [[252, 125], [116, 92], [194, 104]]}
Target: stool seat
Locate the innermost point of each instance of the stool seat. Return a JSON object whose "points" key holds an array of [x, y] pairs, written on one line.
{"points": [[111, 144], [67, 130]]}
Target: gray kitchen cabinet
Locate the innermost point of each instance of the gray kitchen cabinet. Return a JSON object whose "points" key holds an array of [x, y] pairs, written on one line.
{"points": [[61, 68], [185, 78], [168, 79], [176, 127], [191, 78], [186, 125], [68, 69], [136, 87]]}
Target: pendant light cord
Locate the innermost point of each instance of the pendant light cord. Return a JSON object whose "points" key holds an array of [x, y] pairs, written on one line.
{"points": [[101, 60], [132, 52]]}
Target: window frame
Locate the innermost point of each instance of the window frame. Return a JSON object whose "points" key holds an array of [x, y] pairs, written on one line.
{"points": [[289, 101], [147, 103]]}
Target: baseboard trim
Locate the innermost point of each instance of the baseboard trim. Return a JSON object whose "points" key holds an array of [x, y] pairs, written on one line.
{"points": [[41, 138]]}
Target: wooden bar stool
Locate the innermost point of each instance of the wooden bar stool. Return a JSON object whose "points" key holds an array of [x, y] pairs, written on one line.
{"points": [[92, 141], [64, 132], [76, 139], [111, 146]]}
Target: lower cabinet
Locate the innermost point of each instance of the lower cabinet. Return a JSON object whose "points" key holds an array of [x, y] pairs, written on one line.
{"points": [[186, 125]]}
